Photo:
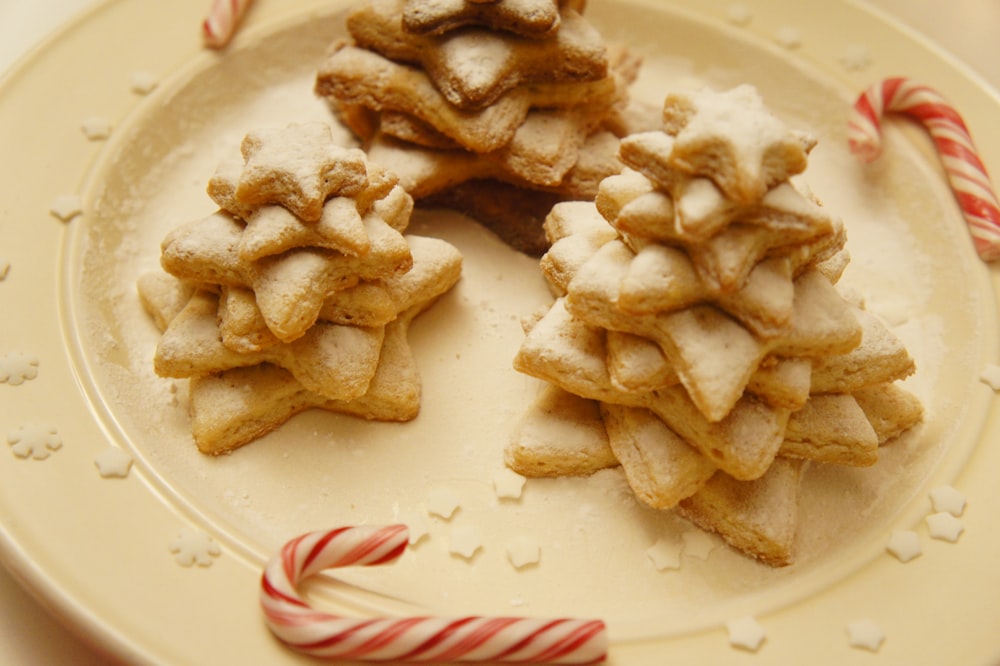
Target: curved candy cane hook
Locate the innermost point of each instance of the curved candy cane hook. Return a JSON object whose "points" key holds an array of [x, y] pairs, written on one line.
{"points": [[966, 173], [499, 639], [220, 24]]}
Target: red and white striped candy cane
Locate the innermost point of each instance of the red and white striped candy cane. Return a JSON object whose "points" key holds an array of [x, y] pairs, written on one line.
{"points": [[220, 24], [966, 173], [320, 634]]}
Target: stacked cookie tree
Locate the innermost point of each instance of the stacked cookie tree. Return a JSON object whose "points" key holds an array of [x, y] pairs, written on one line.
{"points": [[486, 106], [698, 339], [297, 293]]}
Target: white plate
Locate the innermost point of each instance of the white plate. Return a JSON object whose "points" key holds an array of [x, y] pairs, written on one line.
{"points": [[97, 548]]}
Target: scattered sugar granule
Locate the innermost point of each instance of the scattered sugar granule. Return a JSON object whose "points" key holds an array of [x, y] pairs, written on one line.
{"points": [[856, 57], [4, 269], [417, 525], [699, 544], [865, 634], [665, 554], [944, 526], [465, 541], [443, 502], [143, 83], [739, 15], [991, 376], [66, 206], [96, 128], [113, 462], [904, 545], [522, 551], [788, 37], [746, 633], [946, 498], [508, 484]]}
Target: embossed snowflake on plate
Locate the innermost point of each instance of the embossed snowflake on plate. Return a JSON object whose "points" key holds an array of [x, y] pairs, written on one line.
{"points": [[34, 440], [18, 367], [192, 546]]}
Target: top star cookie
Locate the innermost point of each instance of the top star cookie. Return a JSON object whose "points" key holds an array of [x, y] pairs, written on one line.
{"points": [[299, 167], [732, 138], [531, 18]]}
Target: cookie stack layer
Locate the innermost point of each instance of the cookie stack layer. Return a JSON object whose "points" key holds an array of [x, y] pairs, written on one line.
{"points": [[476, 103], [698, 335], [297, 293]]}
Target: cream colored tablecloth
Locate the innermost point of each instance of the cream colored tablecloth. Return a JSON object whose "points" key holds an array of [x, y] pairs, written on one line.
{"points": [[970, 30]]}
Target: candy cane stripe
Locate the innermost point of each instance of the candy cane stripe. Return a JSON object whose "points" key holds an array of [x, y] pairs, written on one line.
{"points": [[473, 638], [962, 163], [220, 24]]}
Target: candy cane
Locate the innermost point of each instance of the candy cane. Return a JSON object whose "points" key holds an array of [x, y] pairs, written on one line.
{"points": [[320, 634], [220, 24], [966, 172]]}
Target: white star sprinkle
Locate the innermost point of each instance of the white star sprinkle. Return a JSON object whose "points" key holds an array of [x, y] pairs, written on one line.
{"points": [[143, 83], [522, 551], [991, 376], [66, 206], [416, 523], [746, 632], [699, 544], [96, 128], [946, 498], [465, 541], [665, 554], [865, 634], [443, 502], [113, 462], [944, 526], [739, 15], [508, 484], [789, 37], [856, 57], [905, 545]]}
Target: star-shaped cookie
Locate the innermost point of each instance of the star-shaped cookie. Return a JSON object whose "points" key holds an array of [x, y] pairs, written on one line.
{"points": [[473, 67], [532, 18], [299, 167], [231, 407], [732, 138], [290, 287], [356, 76]]}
